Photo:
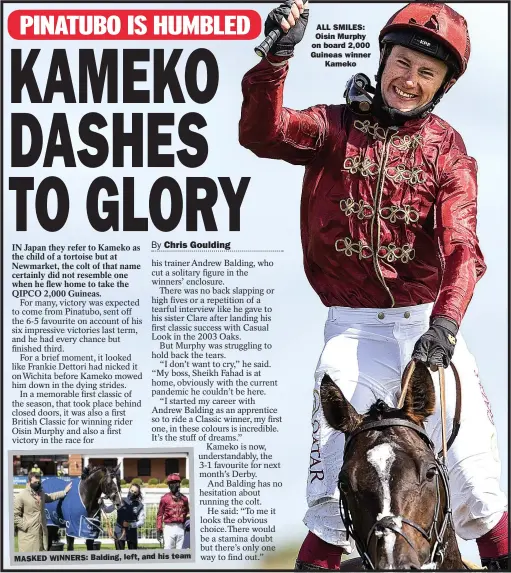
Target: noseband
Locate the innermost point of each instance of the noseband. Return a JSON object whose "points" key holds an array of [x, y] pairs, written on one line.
{"points": [[437, 529]]}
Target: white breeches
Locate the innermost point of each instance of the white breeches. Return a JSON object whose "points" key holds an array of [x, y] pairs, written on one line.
{"points": [[173, 535], [365, 353]]}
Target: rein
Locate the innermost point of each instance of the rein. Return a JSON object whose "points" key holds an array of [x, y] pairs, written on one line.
{"points": [[107, 472], [407, 376], [109, 530], [436, 531]]}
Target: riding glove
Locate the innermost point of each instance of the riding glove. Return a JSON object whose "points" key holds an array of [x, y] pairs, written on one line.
{"points": [[436, 346], [285, 45]]}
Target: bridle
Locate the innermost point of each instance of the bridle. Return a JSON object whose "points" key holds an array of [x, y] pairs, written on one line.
{"points": [[108, 473], [437, 529], [435, 534], [114, 494], [112, 497]]}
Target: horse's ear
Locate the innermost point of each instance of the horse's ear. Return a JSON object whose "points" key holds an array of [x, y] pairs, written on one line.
{"points": [[420, 398], [339, 413], [117, 468]]}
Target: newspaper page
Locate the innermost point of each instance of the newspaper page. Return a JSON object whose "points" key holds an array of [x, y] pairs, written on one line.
{"points": [[179, 244]]}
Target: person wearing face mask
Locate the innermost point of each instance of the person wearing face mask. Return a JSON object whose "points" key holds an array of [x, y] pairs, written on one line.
{"points": [[29, 514], [388, 228], [173, 513], [130, 516]]}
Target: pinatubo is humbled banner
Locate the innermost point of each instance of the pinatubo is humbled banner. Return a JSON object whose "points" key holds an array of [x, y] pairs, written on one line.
{"points": [[191, 211]]}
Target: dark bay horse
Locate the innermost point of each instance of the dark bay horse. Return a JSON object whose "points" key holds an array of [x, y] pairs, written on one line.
{"points": [[394, 493], [99, 481], [82, 517]]}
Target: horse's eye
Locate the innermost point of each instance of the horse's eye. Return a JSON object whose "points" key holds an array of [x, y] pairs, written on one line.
{"points": [[431, 473], [344, 483]]}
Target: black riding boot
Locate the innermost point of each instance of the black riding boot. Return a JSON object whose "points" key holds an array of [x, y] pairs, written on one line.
{"points": [[497, 563]]}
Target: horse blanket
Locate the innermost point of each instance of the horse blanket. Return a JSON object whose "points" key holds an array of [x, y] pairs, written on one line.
{"points": [[69, 513]]}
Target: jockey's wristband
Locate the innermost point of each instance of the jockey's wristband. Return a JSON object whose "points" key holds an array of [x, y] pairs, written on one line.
{"points": [[446, 323]]}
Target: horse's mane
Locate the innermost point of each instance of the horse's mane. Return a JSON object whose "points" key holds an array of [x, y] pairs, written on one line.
{"points": [[382, 411], [89, 470]]}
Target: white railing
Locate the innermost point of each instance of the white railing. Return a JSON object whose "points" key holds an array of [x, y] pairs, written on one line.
{"points": [[147, 534]]}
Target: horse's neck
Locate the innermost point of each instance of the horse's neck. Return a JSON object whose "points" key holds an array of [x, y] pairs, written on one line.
{"points": [[90, 492], [452, 560]]}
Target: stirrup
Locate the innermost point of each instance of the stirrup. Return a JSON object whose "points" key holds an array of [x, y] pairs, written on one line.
{"points": [[302, 566]]}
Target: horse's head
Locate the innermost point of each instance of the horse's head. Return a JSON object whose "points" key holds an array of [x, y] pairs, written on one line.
{"points": [[111, 485], [393, 489]]}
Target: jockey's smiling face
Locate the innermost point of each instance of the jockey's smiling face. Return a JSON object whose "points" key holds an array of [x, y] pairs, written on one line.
{"points": [[411, 79]]}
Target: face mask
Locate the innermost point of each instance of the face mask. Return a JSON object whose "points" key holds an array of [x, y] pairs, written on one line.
{"points": [[132, 495], [36, 486], [174, 487]]}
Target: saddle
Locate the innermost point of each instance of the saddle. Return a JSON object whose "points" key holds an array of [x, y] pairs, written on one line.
{"points": [[355, 564]]}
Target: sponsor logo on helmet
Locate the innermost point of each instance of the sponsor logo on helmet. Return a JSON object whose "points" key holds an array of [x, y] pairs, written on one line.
{"points": [[424, 45]]}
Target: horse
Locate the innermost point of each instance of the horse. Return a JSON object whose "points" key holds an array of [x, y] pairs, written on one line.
{"points": [[393, 489], [98, 481], [81, 514]]}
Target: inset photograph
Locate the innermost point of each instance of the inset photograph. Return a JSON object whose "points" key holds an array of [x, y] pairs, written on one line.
{"points": [[98, 501]]}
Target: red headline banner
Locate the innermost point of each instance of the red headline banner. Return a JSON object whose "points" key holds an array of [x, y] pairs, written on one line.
{"points": [[134, 24]]}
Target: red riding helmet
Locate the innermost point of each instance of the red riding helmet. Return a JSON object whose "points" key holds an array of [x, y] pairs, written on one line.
{"points": [[416, 23], [173, 477]]}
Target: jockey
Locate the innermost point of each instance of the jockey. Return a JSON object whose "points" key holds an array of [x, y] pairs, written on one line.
{"points": [[388, 225], [173, 515]]}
